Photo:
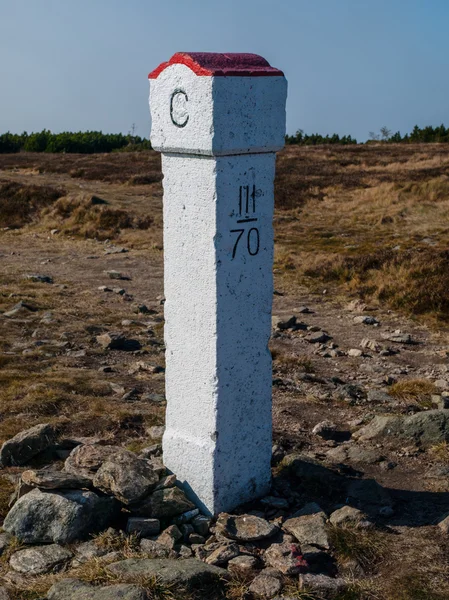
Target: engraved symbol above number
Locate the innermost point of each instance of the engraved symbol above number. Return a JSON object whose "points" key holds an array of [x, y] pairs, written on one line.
{"points": [[247, 205], [178, 108]]}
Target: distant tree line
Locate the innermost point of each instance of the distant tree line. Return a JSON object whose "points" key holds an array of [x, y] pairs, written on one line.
{"points": [[304, 139], [419, 135], [87, 142], [90, 142]]}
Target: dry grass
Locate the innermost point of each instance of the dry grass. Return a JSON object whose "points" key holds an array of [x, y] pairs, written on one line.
{"points": [[416, 391], [365, 546], [440, 452], [19, 204], [6, 490], [91, 217]]}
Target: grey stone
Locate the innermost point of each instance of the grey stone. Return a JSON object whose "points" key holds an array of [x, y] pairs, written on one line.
{"points": [[242, 564], [398, 337], [115, 340], [27, 444], [322, 585], [73, 589], [347, 515], [4, 595], [426, 428], [169, 537], [444, 525], [156, 432], [325, 429], [164, 504], [5, 539], [37, 278], [188, 572], [355, 353], [156, 550], [266, 584], [20, 309], [88, 550], [286, 558], [245, 528], [126, 477], [318, 337], [379, 397], [223, 554], [201, 524], [143, 527], [275, 502], [186, 517], [85, 460], [40, 559], [117, 275], [311, 508], [51, 480], [309, 530], [366, 320], [60, 517]]}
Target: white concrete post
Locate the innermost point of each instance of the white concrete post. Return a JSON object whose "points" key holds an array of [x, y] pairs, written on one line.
{"points": [[218, 120]]}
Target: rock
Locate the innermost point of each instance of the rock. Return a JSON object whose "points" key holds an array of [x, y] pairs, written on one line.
{"points": [[201, 524], [85, 460], [126, 477], [27, 444], [444, 525], [311, 508], [4, 593], [386, 511], [223, 554], [380, 425], [20, 309], [325, 429], [59, 517], [367, 456], [73, 589], [367, 494], [440, 402], [156, 432], [166, 482], [322, 585], [318, 337], [242, 564], [186, 517], [286, 558], [379, 397], [36, 278], [427, 428], [196, 538], [245, 528], [347, 515], [275, 502], [187, 572], [355, 353], [309, 530], [266, 584], [86, 551], [398, 338], [117, 341], [366, 320], [40, 559], [164, 504], [184, 551], [169, 537], [52, 480], [117, 275], [156, 550], [5, 540], [143, 527], [371, 345]]}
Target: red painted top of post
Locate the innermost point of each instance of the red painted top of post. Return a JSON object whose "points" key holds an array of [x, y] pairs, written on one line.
{"points": [[213, 64]]}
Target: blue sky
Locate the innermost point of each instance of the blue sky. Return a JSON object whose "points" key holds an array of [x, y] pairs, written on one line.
{"points": [[352, 65]]}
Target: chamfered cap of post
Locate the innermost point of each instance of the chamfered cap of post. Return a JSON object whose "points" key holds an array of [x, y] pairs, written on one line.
{"points": [[215, 104]]}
